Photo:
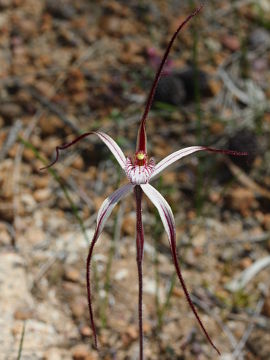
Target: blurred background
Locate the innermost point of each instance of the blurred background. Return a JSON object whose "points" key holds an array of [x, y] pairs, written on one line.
{"points": [[73, 66]]}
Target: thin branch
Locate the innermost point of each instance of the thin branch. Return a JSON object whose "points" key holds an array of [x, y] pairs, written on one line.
{"points": [[11, 139], [240, 346], [46, 267], [21, 341], [241, 95], [245, 180], [202, 305], [246, 238], [140, 246]]}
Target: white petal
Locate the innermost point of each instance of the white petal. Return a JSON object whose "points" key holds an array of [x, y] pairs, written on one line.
{"points": [[108, 205], [163, 208], [167, 218], [115, 149], [170, 159], [103, 214]]}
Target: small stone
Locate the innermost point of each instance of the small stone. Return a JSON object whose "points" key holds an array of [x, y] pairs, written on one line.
{"points": [[170, 178], [242, 200], [227, 255], [259, 37], [214, 196], [10, 111], [129, 224], [80, 97], [85, 331], [34, 235], [177, 292], [16, 329], [28, 202], [41, 182], [130, 335], [81, 352], [266, 222], [67, 38], [215, 87], [115, 7], [45, 88], [60, 9], [28, 154], [245, 263], [50, 124], [199, 240], [170, 90], [53, 354], [213, 44], [72, 275], [7, 212], [5, 237], [117, 26], [121, 274], [5, 4], [42, 194], [231, 42], [27, 28], [147, 327], [79, 307], [98, 201], [23, 314], [78, 163], [132, 332]]}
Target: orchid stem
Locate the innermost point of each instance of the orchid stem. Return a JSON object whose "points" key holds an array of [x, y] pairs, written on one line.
{"points": [[139, 246]]}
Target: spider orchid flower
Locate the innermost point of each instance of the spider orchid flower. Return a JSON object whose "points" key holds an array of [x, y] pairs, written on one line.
{"points": [[140, 171]]}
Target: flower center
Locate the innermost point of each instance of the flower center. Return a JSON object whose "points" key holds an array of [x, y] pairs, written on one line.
{"points": [[140, 158], [141, 170]]}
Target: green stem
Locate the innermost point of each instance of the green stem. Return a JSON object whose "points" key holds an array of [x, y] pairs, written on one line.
{"points": [[21, 341]]}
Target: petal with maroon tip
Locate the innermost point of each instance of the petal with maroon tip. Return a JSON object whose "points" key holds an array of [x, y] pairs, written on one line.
{"points": [[108, 205], [111, 144], [103, 214], [177, 155], [115, 149], [163, 208], [167, 219], [141, 143], [170, 159]]}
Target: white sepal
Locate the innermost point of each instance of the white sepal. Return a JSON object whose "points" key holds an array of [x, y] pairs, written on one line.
{"points": [[115, 149], [163, 208], [108, 205], [177, 155]]}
